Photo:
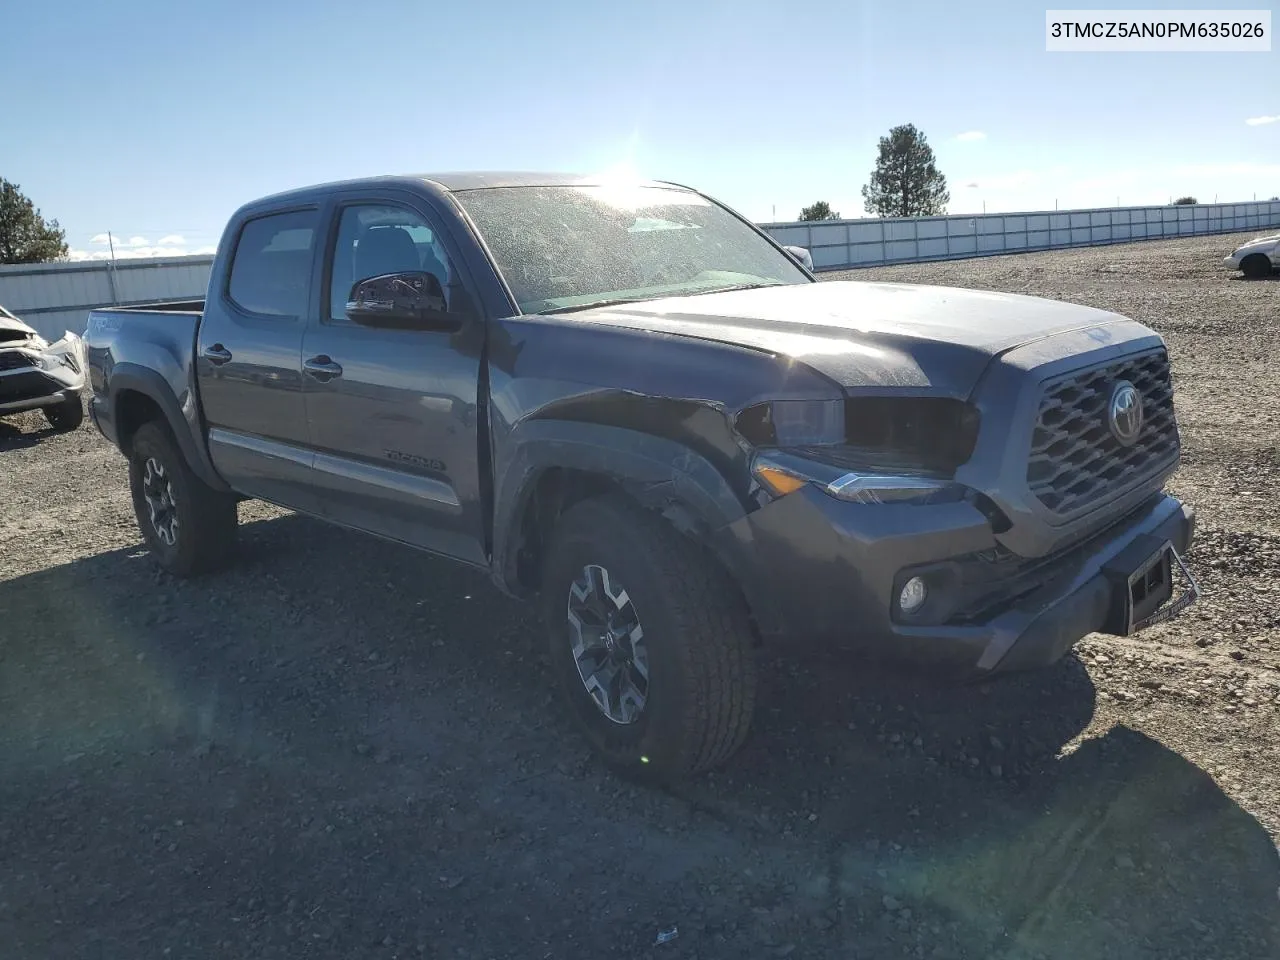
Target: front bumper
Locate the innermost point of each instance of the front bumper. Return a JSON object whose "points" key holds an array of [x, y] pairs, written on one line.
{"points": [[32, 389], [836, 569], [1232, 262]]}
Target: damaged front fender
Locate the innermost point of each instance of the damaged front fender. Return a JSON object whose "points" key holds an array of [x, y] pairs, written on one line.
{"points": [[665, 476], [659, 472]]}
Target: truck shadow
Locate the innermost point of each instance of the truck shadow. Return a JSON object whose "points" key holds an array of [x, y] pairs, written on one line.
{"points": [[869, 812]]}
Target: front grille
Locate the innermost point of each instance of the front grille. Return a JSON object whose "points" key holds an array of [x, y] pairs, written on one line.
{"points": [[1075, 459], [15, 360]]}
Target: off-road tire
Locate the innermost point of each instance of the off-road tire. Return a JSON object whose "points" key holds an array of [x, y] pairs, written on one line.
{"points": [[702, 666], [1256, 266], [206, 518], [65, 416]]}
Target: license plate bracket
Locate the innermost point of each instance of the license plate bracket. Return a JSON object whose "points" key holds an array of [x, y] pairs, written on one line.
{"points": [[1142, 585]]}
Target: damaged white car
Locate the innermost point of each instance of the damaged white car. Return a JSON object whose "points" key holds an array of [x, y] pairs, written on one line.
{"points": [[38, 375], [1257, 258]]}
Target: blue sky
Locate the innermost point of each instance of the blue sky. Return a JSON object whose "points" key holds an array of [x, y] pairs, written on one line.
{"points": [[154, 120]]}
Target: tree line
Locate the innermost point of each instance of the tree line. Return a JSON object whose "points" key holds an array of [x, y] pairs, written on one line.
{"points": [[906, 181], [25, 236]]}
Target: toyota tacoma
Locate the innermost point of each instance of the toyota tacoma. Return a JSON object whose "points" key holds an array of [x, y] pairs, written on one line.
{"points": [[627, 402]]}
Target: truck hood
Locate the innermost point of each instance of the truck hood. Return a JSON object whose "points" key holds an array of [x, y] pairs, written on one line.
{"points": [[939, 339]]}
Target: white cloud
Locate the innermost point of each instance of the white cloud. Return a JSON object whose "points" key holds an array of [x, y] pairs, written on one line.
{"points": [[170, 245], [130, 253], [1259, 121], [972, 184], [971, 135]]}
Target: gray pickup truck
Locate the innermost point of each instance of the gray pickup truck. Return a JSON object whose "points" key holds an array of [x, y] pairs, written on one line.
{"points": [[627, 401]]}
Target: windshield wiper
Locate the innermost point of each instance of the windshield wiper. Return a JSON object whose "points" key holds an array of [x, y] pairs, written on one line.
{"points": [[607, 302], [615, 301], [740, 286]]}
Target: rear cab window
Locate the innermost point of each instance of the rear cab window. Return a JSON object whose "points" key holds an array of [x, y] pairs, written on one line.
{"points": [[271, 267]]}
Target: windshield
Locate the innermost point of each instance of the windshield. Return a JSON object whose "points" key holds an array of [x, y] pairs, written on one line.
{"points": [[570, 247]]}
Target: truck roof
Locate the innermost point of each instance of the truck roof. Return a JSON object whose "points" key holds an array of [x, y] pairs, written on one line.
{"points": [[454, 181]]}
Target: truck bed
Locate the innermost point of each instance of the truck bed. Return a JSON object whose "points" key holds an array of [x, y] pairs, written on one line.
{"points": [[148, 348]]}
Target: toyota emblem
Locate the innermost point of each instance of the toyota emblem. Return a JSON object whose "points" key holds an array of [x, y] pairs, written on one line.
{"points": [[1124, 413]]}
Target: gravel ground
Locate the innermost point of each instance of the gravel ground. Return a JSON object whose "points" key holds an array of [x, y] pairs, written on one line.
{"points": [[340, 748]]}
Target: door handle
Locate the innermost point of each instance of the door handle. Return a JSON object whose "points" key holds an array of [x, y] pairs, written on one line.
{"points": [[217, 354], [322, 368]]}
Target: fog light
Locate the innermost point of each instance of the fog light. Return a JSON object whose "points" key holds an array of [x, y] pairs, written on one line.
{"points": [[913, 595]]}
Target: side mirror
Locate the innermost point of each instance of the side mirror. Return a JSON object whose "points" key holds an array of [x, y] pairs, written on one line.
{"points": [[801, 256], [414, 300]]}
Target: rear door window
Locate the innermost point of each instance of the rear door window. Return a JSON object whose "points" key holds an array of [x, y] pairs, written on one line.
{"points": [[272, 265]]}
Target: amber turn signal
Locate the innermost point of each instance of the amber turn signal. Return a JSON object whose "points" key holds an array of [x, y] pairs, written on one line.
{"points": [[778, 481]]}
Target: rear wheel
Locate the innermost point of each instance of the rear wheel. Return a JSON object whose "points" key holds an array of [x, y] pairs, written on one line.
{"points": [[189, 526], [65, 416], [1256, 266], [649, 641]]}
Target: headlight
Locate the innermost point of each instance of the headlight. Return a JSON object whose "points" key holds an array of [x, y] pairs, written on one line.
{"points": [[785, 475], [877, 449], [886, 488], [65, 352]]}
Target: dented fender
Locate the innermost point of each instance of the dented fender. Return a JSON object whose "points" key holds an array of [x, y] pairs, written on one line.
{"points": [[653, 411], [661, 473], [665, 476]]}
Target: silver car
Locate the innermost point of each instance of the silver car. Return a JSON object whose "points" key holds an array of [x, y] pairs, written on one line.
{"points": [[1258, 258]]}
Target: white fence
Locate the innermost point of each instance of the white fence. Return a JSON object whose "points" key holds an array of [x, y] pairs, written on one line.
{"points": [[837, 244], [54, 297]]}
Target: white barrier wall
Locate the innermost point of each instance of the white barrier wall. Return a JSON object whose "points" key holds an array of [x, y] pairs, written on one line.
{"points": [[837, 244], [54, 297]]}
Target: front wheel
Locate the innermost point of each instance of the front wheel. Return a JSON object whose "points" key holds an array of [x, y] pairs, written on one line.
{"points": [[66, 416], [1256, 266], [649, 641], [188, 526]]}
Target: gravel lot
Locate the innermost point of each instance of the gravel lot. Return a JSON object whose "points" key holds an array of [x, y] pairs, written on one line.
{"points": [[340, 748]]}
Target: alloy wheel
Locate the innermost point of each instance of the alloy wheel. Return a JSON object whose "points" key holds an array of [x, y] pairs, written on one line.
{"points": [[157, 490], [608, 645]]}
